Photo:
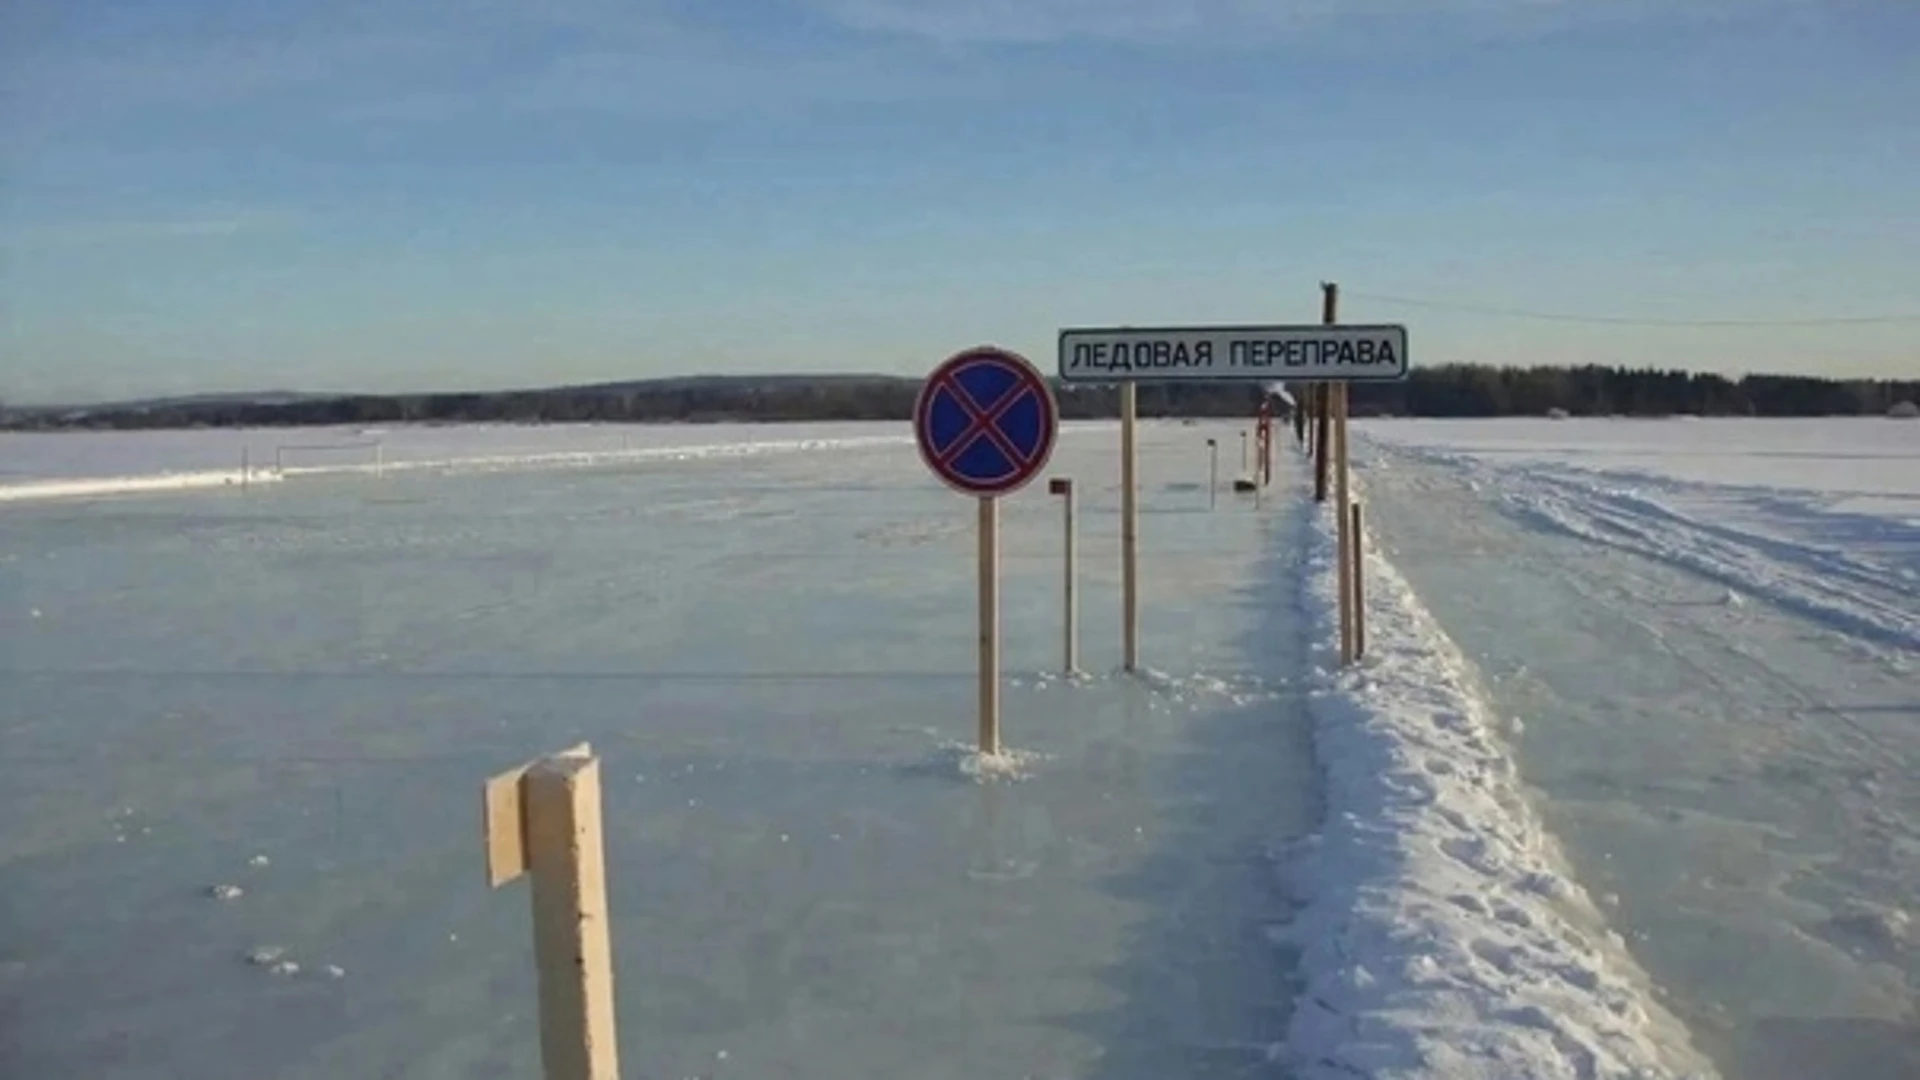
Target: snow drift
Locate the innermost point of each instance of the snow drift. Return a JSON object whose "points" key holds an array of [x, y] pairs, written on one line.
{"points": [[1439, 933]]}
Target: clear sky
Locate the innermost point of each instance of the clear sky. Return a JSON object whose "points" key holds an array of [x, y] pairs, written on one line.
{"points": [[407, 194]]}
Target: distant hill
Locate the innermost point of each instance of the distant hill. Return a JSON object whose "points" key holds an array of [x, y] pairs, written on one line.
{"points": [[1451, 390], [688, 399], [265, 397]]}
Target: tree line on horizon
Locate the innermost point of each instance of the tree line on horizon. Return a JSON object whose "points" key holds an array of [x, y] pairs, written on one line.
{"points": [[1453, 390]]}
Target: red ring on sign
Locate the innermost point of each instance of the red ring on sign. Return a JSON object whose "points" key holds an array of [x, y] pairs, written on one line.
{"points": [[983, 422]]}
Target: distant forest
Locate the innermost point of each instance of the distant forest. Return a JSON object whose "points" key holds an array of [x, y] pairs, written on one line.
{"points": [[1447, 391]]}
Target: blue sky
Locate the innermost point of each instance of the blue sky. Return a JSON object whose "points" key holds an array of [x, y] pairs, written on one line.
{"points": [[421, 194]]}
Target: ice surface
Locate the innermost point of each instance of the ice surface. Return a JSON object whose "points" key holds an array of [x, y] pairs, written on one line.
{"points": [[297, 692], [1441, 933], [1720, 727], [53, 465]]}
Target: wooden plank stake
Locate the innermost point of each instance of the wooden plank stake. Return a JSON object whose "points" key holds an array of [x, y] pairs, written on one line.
{"points": [[1063, 487], [989, 625], [1359, 587], [543, 820], [1129, 530]]}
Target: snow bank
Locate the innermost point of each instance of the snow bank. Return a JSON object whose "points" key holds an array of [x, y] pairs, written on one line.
{"points": [[63, 465], [31, 490], [95, 486], [580, 458], [1439, 934]]}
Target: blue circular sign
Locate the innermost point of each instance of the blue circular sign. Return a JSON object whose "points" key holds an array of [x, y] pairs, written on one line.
{"points": [[986, 421]]}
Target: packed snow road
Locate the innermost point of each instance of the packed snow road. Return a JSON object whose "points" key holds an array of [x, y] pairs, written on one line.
{"points": [[1721, 720]]}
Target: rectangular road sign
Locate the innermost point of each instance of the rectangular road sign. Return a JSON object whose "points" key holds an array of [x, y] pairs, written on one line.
{"points": [[1344, 353]]}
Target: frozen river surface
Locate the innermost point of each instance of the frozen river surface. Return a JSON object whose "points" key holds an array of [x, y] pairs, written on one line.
{"points": [[297, 692]]}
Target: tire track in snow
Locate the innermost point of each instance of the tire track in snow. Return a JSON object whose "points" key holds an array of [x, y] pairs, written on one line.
{"points": [[1789, 575]]}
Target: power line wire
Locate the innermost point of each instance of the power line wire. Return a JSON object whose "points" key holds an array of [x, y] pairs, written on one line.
{"points": [[1622, 320]]}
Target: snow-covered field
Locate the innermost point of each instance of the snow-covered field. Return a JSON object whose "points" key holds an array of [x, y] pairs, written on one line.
{"points": [[1628, 781], [1821, 516]]}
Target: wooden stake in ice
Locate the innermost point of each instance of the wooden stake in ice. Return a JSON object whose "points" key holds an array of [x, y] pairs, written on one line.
{"points": [[1063, 487], [1129, 530], [1213, 473], [543, 819], [989, 625]]}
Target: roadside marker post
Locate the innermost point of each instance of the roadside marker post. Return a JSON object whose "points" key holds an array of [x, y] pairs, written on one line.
{"points": [[1347, 540], [1213, 473], [985, 423], [542, 820], [1263, 459], [1129, 529], [1359, 587], [1322, 438], [1063, 487]]}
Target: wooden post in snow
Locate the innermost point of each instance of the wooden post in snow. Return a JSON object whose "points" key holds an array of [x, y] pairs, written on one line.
{"points": [[1342, 496], [1322, 448], [1359, 587]]}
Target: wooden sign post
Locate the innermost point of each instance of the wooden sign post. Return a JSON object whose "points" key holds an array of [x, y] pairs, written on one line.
{"points": [[1129, 529], [989, 696], [543, 819]]}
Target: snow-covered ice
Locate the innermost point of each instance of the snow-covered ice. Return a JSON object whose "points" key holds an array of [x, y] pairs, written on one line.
{"points": [[298, 691], [64, 465], [1704, 632], [1819, 516], [1627, 782]]}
